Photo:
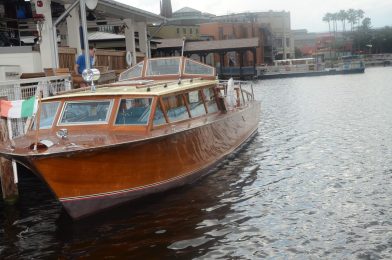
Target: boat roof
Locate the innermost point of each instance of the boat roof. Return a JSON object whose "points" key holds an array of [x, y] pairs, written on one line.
{"points": [[140, 87]]}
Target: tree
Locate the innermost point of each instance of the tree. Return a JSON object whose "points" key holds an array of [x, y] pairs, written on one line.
{"points": [[327, 18], [351, 17], [366, 23], [343, 16], [359, 15], [363, 36], [334, 18]]}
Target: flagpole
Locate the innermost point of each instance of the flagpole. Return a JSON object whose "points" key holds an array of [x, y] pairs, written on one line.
{"points": [[37, 122]]}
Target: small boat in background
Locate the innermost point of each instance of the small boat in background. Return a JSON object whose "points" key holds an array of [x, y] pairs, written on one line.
{"points": [[164, 124], [308, 67], [352, 64]]}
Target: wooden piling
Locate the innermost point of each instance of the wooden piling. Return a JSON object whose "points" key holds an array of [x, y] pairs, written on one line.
{"points": [[8, 186]]}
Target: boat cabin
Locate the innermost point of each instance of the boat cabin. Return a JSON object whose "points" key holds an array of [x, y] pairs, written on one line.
{"points": [[150, 95], [294, 62]]}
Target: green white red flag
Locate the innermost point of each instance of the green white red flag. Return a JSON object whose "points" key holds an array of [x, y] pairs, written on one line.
{"points": [[18, 108]]}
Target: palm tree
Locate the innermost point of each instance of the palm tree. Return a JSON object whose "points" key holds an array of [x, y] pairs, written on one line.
{"points": [[335, 18], [359, 15], [343, 17], [351, 17], [327, 18]]}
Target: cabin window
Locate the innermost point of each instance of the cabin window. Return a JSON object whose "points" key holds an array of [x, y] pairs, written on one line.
{"points": [[193, 67], [196, 104], [134, 72], [210, 100], [134, 111], [175, 108], [159, 117], [48, 112], [163, 66], [86, 112]]}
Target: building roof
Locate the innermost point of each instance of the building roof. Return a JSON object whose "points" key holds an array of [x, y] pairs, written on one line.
{"points": [[210, 46], [102, 36], [111, 8], [187, 10], [170, 43]]}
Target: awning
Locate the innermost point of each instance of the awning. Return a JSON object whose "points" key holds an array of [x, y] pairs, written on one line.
{"points": [[114, 9]]}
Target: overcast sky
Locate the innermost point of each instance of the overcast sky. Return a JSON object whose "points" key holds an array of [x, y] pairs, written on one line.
{"points": [[305, 14]]}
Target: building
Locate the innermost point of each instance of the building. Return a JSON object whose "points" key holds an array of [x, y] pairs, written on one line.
{"points": [[325, 45], [182, 23], [166, 8], [241, 30], [279, 24], [51, 32]]}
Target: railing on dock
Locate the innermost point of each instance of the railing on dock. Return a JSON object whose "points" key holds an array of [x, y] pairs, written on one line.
{"points": [[26, 88], [112, 59]]}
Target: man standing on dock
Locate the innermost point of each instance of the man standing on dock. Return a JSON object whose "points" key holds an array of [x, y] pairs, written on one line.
{"points": [[80, 65]]}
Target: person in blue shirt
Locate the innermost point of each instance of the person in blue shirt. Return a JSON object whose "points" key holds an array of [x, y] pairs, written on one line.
{"points": [[81, 63]]}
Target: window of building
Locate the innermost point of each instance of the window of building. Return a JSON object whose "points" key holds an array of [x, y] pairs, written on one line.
{"points": [[178, 30], [184, 30], [197, 31], [190, 31], [287, 42], [278, 42], [220, 33]]}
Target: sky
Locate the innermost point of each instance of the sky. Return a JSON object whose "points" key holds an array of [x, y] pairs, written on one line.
{"points": [[305, 14]]}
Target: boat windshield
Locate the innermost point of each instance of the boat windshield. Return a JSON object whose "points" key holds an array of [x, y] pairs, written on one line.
{"points": [[134, 72], [86, 112], [163, 66], [197, 68], [47, 114], [169, 67]]}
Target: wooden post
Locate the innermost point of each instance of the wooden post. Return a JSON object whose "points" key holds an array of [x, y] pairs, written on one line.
{"points": [[241, 62], [222, 61], [8, 186]]}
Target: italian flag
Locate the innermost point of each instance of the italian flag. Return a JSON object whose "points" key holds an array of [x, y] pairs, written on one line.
{"points": [[18, 108]]}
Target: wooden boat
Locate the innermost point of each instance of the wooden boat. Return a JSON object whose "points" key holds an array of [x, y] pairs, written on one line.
{"points": [[164, 124]]}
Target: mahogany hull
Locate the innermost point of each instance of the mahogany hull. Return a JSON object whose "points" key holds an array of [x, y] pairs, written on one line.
{"points": [[86, 182]]}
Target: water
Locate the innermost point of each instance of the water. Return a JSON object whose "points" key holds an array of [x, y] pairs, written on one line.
{"points": [[314, 183]]}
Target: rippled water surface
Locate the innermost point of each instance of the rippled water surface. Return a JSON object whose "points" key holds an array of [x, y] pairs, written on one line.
{"points": [[314, 183]]}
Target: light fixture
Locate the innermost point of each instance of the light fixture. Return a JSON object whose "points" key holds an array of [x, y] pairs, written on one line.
{"points": [[89, 75]]}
